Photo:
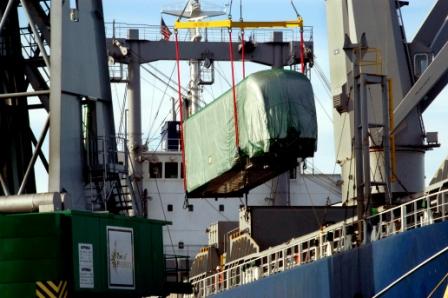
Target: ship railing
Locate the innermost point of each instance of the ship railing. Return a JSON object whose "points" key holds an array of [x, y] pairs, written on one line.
{"points": [[118, 73], [425, 210], [153, 33], [297, 251], [164, 145], [105, 152], [330, 240]]}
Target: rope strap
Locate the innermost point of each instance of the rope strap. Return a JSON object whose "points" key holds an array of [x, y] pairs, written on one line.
{"points": [[243, 53], [235, 108], [302, 51]]}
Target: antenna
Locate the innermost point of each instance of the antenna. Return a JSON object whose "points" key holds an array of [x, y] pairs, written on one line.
{"points": [[295, 9], [195, 9]]}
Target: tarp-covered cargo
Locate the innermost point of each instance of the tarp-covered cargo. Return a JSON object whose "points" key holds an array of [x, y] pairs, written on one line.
{"points": [[276, 122]]}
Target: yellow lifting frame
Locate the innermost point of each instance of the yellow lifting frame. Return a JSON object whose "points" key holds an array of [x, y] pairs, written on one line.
{"points": [[242, 25]]}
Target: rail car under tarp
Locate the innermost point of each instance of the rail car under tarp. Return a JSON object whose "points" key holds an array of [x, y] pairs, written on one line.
{"points": [[276, 123]]}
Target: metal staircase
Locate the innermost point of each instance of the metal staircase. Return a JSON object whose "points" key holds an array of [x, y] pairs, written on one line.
{"points": [[108, 186]]}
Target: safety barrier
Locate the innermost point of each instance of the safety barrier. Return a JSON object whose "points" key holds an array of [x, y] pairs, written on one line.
{"points": [[425, 210], [152, 33]]}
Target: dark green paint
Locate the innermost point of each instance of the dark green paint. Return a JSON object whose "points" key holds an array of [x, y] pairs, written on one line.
{"points": [[43, 247]]}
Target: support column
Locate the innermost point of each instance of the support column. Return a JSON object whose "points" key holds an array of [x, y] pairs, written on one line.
{"points": [[194, 76], [194, 86], [386, 141], [358, 154], [134, 120], [365, 141]]}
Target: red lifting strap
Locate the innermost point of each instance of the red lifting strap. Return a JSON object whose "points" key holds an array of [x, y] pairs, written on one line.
{"points": [[302, 51], [235, 108], [181, 111], [242, 53]]}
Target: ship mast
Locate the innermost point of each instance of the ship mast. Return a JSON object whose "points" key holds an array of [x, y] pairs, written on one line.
{"points": [[195, 36], [193, 11]]}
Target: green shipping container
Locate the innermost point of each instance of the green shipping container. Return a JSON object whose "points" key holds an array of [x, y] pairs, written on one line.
{"points": [[82, 254], [276, 122]]}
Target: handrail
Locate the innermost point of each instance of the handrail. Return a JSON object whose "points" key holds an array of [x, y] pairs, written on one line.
{"points": [[398, 280], [323, 243], [438, 285], [152, 33]]}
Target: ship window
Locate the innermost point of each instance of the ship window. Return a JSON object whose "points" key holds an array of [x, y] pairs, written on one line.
{"points": [[74, 13], [171, 170], [421, 62], [221, 207], [293, 173], [190, 207], [155, 170], [169, 207], [180, 245]]}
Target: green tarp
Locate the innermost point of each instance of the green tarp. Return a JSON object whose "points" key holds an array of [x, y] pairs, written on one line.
{"points": [[273, 105]]}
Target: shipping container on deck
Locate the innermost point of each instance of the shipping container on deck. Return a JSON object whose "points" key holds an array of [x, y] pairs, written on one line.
{"points": [[276, 123], [82, 254]]}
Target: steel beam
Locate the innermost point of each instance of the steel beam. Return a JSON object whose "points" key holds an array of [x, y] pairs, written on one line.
{"points": [[431, 30], [426, 89], [35, 155], [365, 136], [6, 13], [40, 19], [4, 186], [24, 94], [35, 33], [386, 141], [42, 157], [135, 123], [242, 25], [150, 51]]}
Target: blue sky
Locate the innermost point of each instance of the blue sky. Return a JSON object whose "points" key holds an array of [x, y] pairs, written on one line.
{"points": [[313, 12]]}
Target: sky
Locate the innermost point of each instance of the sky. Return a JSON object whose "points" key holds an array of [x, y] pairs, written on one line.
{"points": [[155, 106]]}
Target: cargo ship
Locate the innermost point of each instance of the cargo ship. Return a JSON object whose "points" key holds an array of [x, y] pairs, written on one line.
{"points": [[393, 243]]}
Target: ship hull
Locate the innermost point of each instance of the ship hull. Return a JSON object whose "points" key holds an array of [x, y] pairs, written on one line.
{"points": [[364, 271]]}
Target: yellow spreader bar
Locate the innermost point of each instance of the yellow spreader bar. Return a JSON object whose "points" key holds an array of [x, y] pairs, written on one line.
{"points": [[242, 25]]}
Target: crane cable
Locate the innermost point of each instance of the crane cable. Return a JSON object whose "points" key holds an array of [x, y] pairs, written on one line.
{"points": [[302, 42], [302, 50]]}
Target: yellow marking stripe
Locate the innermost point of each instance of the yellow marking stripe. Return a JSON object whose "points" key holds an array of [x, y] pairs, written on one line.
{"points": [[63, 292], [39, 294], [50, 289], [53, 286], [46, 290], [232, 24]]}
